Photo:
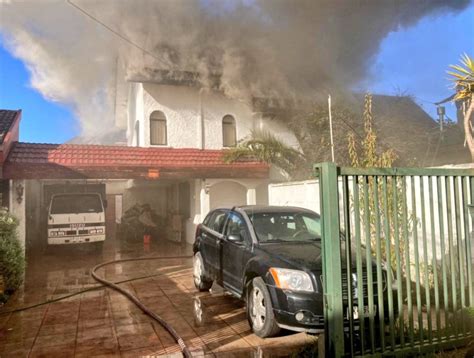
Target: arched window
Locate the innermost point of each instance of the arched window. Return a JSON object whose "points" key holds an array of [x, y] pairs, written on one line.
{"points": [[229, 134], [158, 128]]}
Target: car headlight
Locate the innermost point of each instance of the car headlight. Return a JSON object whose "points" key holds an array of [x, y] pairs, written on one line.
{"points": [[293, 280]]}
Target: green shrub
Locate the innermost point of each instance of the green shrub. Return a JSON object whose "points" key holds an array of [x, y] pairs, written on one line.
{"points": [[12, 259]]}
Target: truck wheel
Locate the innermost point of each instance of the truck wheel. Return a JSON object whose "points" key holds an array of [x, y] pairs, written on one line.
{"points": [[260, 311], [201, 282]]}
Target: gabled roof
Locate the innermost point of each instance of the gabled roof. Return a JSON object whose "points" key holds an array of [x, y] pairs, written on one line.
{"points": [[7, 117], [55, 161]]}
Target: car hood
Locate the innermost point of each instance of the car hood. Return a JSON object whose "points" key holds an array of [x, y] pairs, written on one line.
{"points": [[304, 255], [300, 255]]}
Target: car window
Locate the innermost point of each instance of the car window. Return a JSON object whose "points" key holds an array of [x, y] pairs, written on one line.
{"points": [[207, 219], [216, 222], [313, 225], [281, 226], [236, 226]]}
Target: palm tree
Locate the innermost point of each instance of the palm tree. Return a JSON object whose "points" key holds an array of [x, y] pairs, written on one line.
{"points": [[463, 77], [263, 145]]}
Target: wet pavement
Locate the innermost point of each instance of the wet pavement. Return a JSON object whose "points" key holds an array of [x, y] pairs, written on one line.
{"points": [[102, 322]]}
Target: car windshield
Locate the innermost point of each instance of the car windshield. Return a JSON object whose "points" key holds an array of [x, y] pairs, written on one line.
{"points": [[286, 226], [74, 204]]}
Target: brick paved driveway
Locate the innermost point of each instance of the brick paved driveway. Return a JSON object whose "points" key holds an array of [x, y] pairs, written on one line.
{"points": [[104, 323]]}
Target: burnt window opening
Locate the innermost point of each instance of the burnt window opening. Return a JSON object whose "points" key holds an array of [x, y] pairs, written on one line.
{"points": [[229, 133], [158, 134]]}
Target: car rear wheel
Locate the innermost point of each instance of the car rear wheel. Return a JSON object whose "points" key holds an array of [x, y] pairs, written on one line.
{"points": [[201, 282], [260, 310]]}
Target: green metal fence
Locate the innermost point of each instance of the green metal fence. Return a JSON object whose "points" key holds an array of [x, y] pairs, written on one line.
{"points": [[398, 259]]}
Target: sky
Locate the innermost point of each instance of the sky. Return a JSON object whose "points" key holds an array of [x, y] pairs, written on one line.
{"points": [[411, 61], [42, 121], [414, 61]]}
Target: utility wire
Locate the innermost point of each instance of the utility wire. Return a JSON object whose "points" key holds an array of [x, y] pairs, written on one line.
{"points": [[115, 32]]}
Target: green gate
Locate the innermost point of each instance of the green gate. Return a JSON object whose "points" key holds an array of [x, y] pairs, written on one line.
{"points": [[398, 259]]}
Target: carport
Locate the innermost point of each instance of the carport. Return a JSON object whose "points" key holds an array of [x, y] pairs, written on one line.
{"points": [[180, 185]]}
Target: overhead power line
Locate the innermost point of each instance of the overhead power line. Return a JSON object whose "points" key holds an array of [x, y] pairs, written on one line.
{"points": [[115, 32]]}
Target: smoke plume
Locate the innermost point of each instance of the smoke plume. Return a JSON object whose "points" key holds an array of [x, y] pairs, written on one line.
{"points": [[270, 48]]}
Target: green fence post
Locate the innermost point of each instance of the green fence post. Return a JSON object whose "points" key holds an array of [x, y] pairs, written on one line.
{"points": [[332, 268]]}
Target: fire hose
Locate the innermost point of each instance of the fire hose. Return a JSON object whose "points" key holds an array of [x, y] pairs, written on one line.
{"points": [[136, 301], [131, 297]]}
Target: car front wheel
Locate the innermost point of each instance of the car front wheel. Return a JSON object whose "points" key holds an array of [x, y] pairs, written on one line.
{"points": [[260, 310], [201, 282]]}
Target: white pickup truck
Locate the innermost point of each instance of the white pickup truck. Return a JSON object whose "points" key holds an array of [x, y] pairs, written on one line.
{"points": [[75, 218]]}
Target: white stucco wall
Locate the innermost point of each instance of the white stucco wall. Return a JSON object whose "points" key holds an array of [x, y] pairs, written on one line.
{"points": [[194, 120], [304, 194], [121, 95], [185, 108], [227, 194], [208, 194], [135, 113]]}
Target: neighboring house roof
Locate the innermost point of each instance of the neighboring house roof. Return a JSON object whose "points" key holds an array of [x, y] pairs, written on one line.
{"points": [[55, 161], [9, 132], [7, 117], [402, 125]]}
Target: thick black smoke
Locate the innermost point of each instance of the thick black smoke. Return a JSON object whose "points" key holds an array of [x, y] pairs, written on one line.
{"points": [[277, 48]]}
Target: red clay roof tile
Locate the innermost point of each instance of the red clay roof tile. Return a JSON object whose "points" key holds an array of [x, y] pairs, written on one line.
{"points": [[77, 156]]}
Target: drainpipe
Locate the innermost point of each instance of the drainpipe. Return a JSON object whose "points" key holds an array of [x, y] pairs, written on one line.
{"points": [[201, 129]]}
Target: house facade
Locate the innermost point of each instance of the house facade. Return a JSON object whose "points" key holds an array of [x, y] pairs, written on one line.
{"points": [[177, 113], [176, 132]]}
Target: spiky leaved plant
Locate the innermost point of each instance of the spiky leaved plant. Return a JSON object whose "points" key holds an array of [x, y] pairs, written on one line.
{"points": [[463, 78], [265, 146]]}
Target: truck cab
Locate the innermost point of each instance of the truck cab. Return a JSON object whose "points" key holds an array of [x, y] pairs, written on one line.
{"points": [[76, 218]]}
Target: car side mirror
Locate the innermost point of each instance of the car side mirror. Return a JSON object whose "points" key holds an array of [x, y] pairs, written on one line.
{"points": [[236, 239]]}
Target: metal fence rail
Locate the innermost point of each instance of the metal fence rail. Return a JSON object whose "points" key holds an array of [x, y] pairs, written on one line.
{"points": [[397, 259]]}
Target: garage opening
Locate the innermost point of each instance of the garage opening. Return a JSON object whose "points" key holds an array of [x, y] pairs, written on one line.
{"points": [[132, 208]]}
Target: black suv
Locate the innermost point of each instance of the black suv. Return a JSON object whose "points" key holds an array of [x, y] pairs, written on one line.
{"points": [[268, 256]]}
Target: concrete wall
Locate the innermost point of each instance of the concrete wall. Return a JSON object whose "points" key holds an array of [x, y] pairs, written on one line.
{"points": [[121, 95], [208, 194], [304, 194], [135, 113], [227, 194]]}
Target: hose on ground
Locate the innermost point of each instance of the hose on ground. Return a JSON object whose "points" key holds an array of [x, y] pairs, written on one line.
{"points": [[136, 301], [57, 299]]}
